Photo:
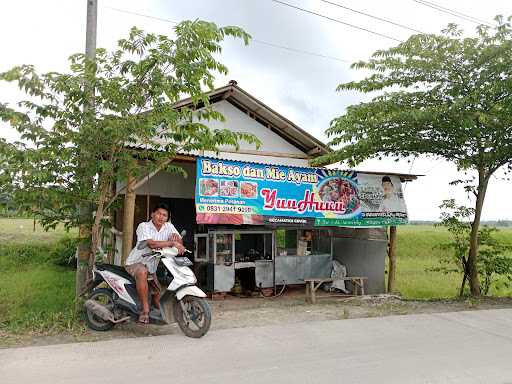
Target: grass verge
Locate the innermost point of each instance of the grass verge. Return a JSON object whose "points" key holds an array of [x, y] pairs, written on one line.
{"points": [[36, 294]]}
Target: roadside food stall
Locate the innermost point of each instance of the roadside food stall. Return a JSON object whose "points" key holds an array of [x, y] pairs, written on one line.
{"points": [[260, 218], [268, 225]]}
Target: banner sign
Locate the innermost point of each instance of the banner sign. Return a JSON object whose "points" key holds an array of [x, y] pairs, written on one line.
{"points": [[233, 192]]}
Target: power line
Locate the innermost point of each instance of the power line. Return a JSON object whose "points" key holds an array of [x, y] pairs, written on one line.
{"points": [[335, 20], [432, 167], [301, 51], [274, 45], [141, 15], [372, 16], [463, 15], [452, 12]]}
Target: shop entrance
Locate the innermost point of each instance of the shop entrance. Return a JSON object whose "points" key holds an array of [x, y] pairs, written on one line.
{"points": [[246, 261], [235, 260]]}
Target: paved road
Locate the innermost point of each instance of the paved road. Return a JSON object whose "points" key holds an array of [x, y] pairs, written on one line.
{"points": [[462, 347]]}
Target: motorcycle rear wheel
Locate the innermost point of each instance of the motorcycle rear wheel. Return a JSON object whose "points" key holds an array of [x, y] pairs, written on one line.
{"points": [[103, 296], [196, 319]]}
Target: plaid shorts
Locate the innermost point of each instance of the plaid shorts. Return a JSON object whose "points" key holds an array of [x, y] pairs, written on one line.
{"points": [[133, 269]]}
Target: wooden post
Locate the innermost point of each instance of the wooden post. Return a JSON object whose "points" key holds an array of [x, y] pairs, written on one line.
{"points": [[128, 217], [312, 289], [392, 259]]}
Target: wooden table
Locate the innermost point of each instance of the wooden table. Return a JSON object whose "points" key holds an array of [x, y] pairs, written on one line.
{"points": [[313, 284]]}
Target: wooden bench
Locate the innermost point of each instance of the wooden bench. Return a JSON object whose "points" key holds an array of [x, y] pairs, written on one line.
{"points": [[313, 284]]}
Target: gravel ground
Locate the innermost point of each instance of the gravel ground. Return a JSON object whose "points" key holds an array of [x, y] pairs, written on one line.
{"points": [[250, 312]]}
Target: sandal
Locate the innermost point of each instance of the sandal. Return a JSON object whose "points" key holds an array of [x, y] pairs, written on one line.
{"points": [[143, 318]]}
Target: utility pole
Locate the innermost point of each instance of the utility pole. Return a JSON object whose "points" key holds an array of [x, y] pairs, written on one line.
{"points": [[85, 209], [90, 34]]}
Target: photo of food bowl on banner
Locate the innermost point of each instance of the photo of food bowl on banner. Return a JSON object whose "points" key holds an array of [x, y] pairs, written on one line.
{"points": [[233, 192]]}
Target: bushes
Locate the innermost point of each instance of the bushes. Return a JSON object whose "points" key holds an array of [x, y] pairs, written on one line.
{"points": [[63, 253], [21, 255]]}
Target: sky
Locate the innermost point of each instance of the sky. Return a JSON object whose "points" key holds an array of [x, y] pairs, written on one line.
{"points": [[301, 87]]}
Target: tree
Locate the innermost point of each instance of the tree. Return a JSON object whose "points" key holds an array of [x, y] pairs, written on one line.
{"points": [[439, 95], [6, 150], [456, 220], [493, 260], [72, 152]]}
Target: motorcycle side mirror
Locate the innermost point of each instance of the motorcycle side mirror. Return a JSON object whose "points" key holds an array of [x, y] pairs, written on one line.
{"points": [[141, 245], [183, 233]]}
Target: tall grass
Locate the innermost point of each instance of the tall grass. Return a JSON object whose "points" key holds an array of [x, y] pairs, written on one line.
{"points": [[41, 298], [36, 294]]}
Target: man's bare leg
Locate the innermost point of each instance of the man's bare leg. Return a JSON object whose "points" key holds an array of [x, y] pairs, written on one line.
{"points": [[154, 287], [156, 300], [141, 279]]}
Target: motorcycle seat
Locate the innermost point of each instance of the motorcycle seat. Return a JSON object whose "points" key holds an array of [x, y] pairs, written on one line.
{"points": [[118, 270]]}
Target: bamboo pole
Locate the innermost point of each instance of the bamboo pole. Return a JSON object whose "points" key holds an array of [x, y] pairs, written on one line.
{"points": [[392, 259], [128, 217]]}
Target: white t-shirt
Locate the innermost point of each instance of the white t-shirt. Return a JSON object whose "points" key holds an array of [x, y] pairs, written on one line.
{"points": [[148, 231], [393, 204]]}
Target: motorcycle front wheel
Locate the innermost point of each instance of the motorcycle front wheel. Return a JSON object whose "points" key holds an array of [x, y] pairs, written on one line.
{"points": [[193, 316]]}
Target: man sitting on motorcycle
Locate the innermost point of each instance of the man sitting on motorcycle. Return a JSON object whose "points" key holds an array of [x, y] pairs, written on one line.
{"points": [[158, 233]]}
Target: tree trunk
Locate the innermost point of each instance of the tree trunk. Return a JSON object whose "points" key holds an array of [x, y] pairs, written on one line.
{"points": [[464, 279], [392, 259], [96, 227], [128, 217], [474, 281], [463, 284], [83, 251]]}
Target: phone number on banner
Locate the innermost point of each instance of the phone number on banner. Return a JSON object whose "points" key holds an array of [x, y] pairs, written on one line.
{"points": [[219, 208]]}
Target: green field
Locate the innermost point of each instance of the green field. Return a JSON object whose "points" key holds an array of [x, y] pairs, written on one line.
{"points": [[21, 231], [37, 295], [416, 252]]}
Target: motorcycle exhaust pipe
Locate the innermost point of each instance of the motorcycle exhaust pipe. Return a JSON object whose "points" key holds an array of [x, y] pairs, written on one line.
{"points": [[103, 312], [100, 310]]}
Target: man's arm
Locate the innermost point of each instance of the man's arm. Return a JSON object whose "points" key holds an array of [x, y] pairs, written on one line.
{"points": [[158, 243], [174, 240], [163, 243], [175, 237]]}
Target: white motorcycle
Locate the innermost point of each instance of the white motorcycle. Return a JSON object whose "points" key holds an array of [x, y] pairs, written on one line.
{"points": [[182, 302]]}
